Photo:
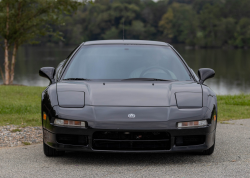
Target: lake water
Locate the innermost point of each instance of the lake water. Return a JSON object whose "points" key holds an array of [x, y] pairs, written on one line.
{"points": [[232, 66]]}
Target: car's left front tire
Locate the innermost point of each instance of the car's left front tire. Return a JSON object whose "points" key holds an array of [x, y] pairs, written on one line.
{"points": [[51, 152], [210, 150]]}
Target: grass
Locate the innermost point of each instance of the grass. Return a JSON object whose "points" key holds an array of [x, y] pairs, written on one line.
{"points": [[231, 107], [16, 130], [26, 143], [21, 105]]}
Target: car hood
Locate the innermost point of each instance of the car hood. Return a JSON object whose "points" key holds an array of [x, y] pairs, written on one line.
{"points": [[127, 93]]}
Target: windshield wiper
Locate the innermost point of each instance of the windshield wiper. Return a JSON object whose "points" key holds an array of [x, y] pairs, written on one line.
{"points": [[148, 79], [75, 79]]}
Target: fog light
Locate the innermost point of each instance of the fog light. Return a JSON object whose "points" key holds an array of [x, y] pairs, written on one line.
{"points": [[70, 123], [192, 124]]}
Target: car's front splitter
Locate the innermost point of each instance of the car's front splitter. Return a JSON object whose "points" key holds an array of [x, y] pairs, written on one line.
{"points": [[50, 138]]}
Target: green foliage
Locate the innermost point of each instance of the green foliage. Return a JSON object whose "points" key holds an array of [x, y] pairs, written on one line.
{"points": [[179, 23], [105, 19], [203, 23], [166, 24], [242, 33], [23, 20], [209, 23]]}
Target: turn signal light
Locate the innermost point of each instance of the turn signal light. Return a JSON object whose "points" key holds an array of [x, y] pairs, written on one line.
{"points": [[69, 123], [44, 116], [192, 124]]}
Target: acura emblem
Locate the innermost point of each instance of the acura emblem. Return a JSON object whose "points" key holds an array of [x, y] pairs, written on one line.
{"points": [[131, 116]]}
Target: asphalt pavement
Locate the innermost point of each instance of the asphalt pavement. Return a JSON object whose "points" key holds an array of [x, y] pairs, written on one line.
{"points": [[230, 159]]}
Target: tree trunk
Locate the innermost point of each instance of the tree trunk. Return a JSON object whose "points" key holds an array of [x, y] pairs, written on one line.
{"points": [[2, 74], [13, 61], [6, 62], [6, 50]]}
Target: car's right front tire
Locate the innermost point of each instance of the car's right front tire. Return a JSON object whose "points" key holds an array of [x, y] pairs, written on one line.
{"points": [[209, 151], [51, 152]]}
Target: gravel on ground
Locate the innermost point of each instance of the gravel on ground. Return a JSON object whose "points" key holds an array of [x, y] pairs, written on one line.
{"points": [[12, 135]]}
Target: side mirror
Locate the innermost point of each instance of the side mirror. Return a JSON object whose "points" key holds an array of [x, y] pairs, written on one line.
{"points": [[204, 74], [48, 72]]}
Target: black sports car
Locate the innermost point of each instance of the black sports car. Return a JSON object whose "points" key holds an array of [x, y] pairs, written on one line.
{"points": [[127, 96]]}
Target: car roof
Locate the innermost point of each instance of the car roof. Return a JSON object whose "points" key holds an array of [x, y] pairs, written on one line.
{"points": [[127, 42]]}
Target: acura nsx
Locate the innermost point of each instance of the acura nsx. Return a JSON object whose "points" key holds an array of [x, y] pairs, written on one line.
{"points": [[127, 96]]}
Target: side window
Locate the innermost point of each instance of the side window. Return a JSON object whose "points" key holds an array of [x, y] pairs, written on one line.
{"points": [[59, 69], [62, 64], [72, 52], [194, 74]]}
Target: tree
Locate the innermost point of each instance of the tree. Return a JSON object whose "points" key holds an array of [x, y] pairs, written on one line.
{"points": [[23, 20], [179, 24], [242, 33], [204, 23], [209, 19], [225, 31], [166, 24], [106, 19]]}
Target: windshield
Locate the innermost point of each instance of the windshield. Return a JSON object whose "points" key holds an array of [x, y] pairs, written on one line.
{"points": [[126, 62]]}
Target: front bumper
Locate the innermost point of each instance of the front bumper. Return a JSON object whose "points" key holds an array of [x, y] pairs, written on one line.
{"points": [[51, 139], [114, 119]]}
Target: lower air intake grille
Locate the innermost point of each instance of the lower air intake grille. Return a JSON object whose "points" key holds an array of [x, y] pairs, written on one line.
{"points": [[190, 140], [131, 140], [72, 139]]}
